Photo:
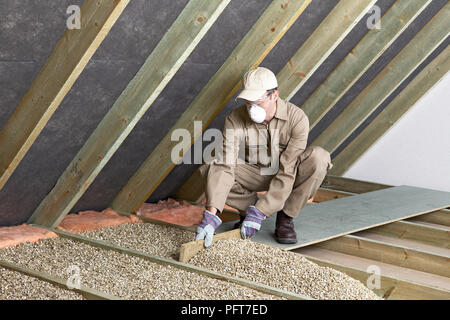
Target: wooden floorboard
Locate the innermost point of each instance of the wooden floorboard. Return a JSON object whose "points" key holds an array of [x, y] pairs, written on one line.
{"points": [[436, 236], [404, 242], [402, 282], [390, 253]]}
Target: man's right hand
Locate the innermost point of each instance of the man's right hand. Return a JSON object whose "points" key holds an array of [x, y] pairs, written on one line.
{"points": [[205, 230]]}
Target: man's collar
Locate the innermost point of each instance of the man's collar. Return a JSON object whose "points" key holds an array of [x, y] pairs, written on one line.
{"points": [[281, 112]]}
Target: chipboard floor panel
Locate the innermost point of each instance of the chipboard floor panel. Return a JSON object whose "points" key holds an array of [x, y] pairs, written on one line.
{"points": [[330, 219]]}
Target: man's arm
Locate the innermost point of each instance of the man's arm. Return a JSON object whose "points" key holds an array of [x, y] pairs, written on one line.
{"points": [[220, 176], [282, 183]]}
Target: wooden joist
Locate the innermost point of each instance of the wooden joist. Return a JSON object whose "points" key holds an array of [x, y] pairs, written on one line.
{"points": [[57, 76], [387, 81], [164, 62], [403, 102], [351, 185], [399, 16], [440, 217], [327, 194], [86, 292], [160, 67], [395, 282], [249, 53], [434, 235], [183, 266], [389, 253]]}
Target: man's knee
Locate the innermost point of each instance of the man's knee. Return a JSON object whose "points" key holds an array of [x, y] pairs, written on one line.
{"points": [[318, 158]]}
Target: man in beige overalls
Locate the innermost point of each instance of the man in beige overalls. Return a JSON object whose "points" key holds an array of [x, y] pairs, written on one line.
{"points": [[273, 133]]}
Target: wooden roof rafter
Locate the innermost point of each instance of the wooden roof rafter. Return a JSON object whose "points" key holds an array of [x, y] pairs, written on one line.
{"points": [[390, 78], [392, 113], [395, 21], [160, 67], [254, 47], [72, 53]]}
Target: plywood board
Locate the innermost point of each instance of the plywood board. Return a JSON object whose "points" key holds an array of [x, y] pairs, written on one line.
{"points": [[334, 218]]}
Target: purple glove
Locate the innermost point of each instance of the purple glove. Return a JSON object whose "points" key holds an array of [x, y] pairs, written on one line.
{"points": [[252, 222], [206, 228]]}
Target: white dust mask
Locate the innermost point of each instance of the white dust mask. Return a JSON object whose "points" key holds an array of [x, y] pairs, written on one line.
{"points": [[256, 113]]}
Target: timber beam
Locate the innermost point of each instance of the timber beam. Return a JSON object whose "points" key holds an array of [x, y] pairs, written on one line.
{"points": [[56, 78]]}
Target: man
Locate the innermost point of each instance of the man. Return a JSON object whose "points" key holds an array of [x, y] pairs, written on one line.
{"points": [[273, 133]]}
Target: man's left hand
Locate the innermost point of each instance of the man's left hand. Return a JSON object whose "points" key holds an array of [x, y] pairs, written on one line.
{"points": [[252, 222]]}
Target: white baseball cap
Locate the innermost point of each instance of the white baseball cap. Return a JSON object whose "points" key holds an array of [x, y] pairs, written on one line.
{"points": [[256, 83]]}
